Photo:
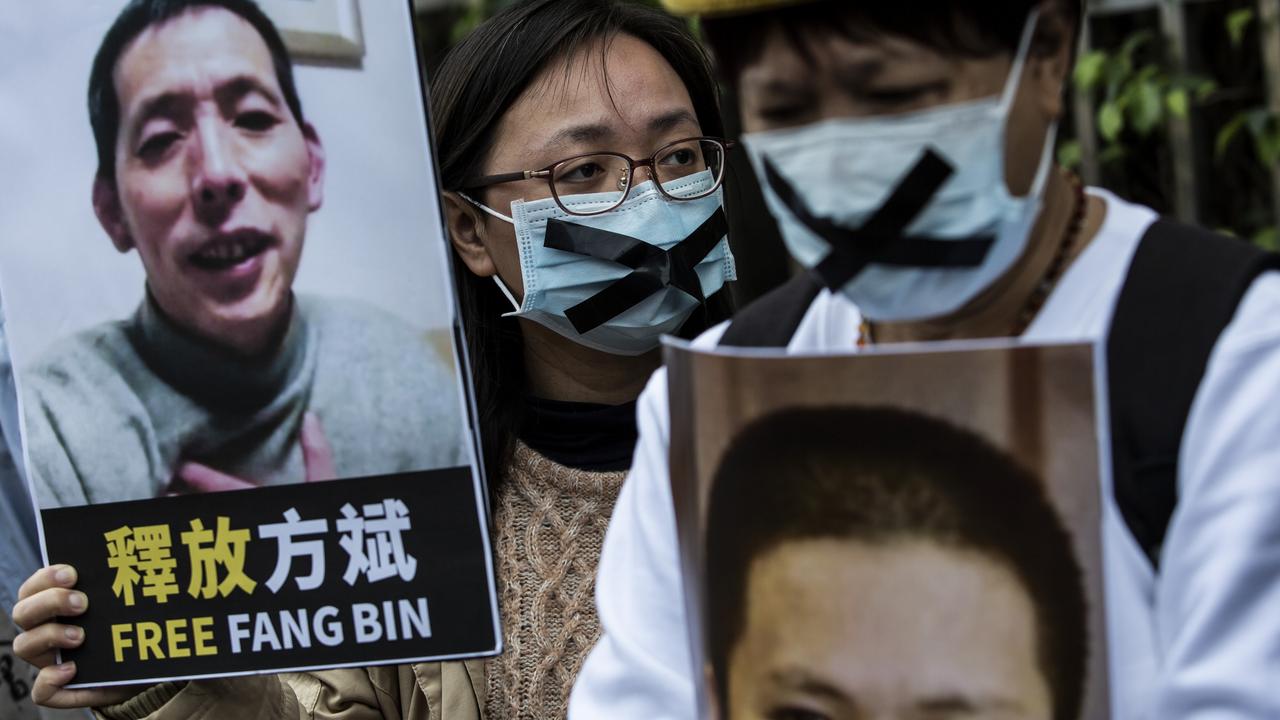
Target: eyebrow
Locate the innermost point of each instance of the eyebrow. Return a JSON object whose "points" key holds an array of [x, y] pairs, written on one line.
{"points": [[944, 702], [601, 132], [672, 120], [243, 85], [959, 703], [581, 134], [856, 75], [803, 681], [785, 88]]}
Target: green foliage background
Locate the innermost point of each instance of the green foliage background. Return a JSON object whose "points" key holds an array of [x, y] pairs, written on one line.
{"points": [[1137, 90]]}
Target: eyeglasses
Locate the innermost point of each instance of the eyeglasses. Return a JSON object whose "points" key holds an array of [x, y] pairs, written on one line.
{"points": [[607, 172]]}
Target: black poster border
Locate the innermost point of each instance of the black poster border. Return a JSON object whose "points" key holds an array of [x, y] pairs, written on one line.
{"points": [[447, 580]]}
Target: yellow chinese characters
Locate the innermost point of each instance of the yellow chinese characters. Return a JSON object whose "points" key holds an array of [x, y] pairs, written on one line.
{"points": [[208, 551], [142, 555], [120, 558]]}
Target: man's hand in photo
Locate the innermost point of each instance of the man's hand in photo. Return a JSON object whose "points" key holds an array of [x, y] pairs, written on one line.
{"points": [[317, 455]]}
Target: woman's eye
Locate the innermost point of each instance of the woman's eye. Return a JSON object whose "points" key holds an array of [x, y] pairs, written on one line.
{"points": [[582, 173], [156, 145], [256, 121], [682, 157]]}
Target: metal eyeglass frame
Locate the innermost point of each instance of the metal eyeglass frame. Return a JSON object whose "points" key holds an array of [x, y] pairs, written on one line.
{"points": [[548, 173]]}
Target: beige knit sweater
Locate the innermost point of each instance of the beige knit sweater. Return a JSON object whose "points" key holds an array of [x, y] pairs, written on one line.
{"points": [[549, 523]]}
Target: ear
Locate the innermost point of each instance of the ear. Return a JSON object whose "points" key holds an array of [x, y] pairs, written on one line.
{"points": [[315, 177], [106, 205], [466, 233]]}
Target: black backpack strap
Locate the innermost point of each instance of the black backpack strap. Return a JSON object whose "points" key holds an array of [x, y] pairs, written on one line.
{"points": [[772, 320], [1181, 291]]}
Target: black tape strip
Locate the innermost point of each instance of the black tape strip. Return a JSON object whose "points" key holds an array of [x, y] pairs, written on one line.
{"points": [[927, 252], [604, 305], [700, 242], [882, 238], [911, 195], [653, 268], [596, 243]]}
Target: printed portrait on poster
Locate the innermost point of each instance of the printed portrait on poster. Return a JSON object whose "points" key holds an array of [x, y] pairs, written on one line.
{"points": [[902, 533], [229, 274]]}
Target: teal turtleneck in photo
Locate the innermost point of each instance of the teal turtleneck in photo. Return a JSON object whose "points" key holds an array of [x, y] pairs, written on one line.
{"points": [[113, 411]]}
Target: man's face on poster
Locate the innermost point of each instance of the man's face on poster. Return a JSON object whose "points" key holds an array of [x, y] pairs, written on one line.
{"points": [[838, 629], [214, 179]]}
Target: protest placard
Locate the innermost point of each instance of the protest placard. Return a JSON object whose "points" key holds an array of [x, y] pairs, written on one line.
{"points": [[901, 531], [229, 308]]}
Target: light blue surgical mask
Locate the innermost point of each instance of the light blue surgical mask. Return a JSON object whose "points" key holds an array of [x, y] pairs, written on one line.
{"points": [[619, 281], [910, 215]]}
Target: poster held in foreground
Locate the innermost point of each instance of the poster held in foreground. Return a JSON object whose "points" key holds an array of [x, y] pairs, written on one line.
{"points": [[244, 416], [901, 532]]}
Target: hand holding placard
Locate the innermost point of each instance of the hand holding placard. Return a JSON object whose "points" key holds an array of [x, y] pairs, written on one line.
{"points": [[43, 598]]}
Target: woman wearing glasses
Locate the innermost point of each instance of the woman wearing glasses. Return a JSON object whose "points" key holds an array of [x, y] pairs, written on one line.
{"points": [[578, 142]]}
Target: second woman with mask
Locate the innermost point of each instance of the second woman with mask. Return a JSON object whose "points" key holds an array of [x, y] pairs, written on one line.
{"points": [[579, 142]]}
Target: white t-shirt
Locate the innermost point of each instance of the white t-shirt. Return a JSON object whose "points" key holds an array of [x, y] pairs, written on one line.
{"points": [[1201, 639]]}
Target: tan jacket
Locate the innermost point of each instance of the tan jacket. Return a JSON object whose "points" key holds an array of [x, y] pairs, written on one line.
{"points": [[431, 691]]}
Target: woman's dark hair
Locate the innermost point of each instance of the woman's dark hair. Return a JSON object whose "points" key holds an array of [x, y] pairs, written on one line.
{"points": [[137, 16], [881, 475], [477, 82], [964, 28]]}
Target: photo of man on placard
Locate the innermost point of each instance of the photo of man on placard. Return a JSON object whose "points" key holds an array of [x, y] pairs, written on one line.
{"points": [[876, 562], [224, 377]]}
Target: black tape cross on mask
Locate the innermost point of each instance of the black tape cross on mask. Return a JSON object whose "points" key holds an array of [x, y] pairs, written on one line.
{"points": [[653, 268], [882, 239]]}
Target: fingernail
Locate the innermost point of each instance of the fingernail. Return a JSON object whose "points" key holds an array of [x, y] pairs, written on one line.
{"points": [[74, 633], [77, 601], [67, 667], [65, 576]]}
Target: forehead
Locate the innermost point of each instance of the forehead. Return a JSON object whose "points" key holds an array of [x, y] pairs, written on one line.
{"points": [[621, 82], [787, 54], [190, 51], [912, 615]]}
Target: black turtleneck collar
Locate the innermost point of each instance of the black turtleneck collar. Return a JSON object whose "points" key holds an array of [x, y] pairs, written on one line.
{"points": [[212, 375], [583, 436]]}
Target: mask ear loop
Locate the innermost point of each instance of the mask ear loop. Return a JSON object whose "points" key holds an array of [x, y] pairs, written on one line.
{"points": [[510, 297], [1012, 83], [496, 279], [486, 209]]}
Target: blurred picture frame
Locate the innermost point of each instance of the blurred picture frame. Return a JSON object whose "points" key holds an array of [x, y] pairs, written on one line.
{"points": [[325, 31]]}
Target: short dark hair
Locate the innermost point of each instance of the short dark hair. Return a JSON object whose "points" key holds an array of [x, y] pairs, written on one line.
{"points": [[476, 83], [877, 475], [969, 28], [137, 16]]}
